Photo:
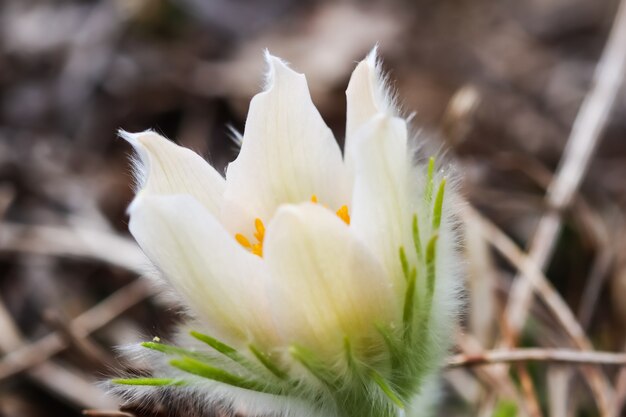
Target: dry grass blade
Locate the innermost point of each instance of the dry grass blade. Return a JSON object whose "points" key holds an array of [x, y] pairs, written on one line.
{"points": [[597, 380], [586, 132], [537, 354], [64, 241], [107, 413]]}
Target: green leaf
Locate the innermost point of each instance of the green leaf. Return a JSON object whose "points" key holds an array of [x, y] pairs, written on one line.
{"points": [[409, 304], [214, 343], [429, 179], [313, 365], [404, 262], [386, 389], [417, 241], [395, 354], [267, 362], [431, 254], [438, 207], [226, 350], [170, 350], [207, 371], [347, 347], [152, 382]]}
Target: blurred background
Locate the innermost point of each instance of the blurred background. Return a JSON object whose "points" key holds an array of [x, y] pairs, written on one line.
{"points": [[495, 84]]}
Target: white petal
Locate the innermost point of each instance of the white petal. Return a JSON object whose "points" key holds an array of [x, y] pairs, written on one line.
{"points": [[288, 153], [381, 205], [327, 284], [221, 281], [166, 168], [366, 97]]}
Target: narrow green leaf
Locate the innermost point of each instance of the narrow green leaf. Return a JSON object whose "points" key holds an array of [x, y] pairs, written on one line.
{"points": [[386, 389], [417, 241], [395, 355], [431, 254], [267, 362], [205, 370], [153, 382], [347, 347], [169, 349], [429, 179], [247, 364], [313, 365], [404, 262], [214, 343], [409, 304], [438, 207]]}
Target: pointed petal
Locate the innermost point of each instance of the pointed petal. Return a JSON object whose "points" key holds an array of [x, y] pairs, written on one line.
{"points": [[381, 204], [327, 284], [366, 96], [288, 153], [166, 168], [222, 282]]}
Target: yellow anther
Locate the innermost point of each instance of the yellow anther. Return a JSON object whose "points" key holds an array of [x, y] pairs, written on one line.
{"points": [[257, 249], [259, 235], [344, 214], [260, 230], [243, 241]]}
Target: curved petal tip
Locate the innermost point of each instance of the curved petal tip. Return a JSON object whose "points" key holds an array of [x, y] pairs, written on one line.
{"points": [[372, 57], [132, 138], [277, 68], [367, 93]]}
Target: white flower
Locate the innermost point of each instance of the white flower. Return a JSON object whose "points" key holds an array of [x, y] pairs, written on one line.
{"points": [[319, 284]]}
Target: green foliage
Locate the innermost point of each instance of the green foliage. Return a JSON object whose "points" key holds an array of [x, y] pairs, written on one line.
{"points": [[429, 179], [505, 409], [204, 370], [266, 361], [153, 382], [438, 207]]}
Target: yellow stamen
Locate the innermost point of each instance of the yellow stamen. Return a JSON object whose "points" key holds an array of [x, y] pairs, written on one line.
{"points": [[257, 249], [344, 214], [243, 241], [260, 230], [259, 235]]}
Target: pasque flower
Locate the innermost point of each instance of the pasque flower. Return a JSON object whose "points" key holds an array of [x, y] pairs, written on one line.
{"points": [[317, 284]]}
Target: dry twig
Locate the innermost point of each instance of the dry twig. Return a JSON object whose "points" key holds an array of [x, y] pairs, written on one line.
{"points": [[88, 322]]}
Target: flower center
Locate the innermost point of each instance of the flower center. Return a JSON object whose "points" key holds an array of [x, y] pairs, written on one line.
{"points": [[257, 247]]}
